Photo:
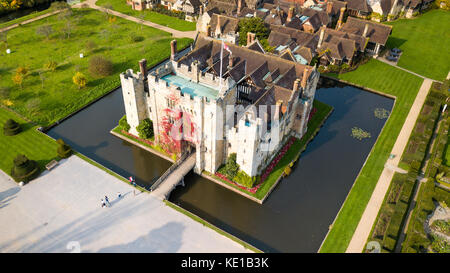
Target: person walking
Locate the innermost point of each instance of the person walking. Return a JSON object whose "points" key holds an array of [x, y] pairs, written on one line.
{"points": [[107, 201], [103, 203]]}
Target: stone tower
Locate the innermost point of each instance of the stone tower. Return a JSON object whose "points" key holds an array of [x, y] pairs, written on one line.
{"points": [[134, 98]]}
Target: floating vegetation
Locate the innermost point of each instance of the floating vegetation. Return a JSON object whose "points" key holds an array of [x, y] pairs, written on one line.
{"points": [[381, 113], [360, 133]]}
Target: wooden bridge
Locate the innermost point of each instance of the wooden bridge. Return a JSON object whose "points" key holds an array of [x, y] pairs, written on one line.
{"points": [[173, 176]]}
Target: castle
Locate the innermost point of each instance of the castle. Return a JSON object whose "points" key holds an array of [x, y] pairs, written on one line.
{"points": [[258, 103]]}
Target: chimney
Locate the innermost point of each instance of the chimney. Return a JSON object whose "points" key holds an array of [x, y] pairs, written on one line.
{"points": [[173, 49], [322, 34], [201, 10], [239, 7], [143, 67], [329, 7], [208, 30], [290, 14], [250, 38], [230, 61], [341, 18], [306, 73], [366, 29], [218, 27], [296, 85]]}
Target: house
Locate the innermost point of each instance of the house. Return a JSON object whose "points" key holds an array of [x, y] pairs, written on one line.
{"points": [[219, 26], [246, 103], [376, 33], [190, 7]]}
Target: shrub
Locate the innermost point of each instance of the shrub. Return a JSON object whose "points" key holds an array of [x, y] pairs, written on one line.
{"points": [[244, 179], [389, 243], [231, 168], [79, 79], [90, 46], [123, 124], [50, 65], [134, 38], [64, 150], [24, 169], [11, 128], [18, 80], [22, 70], [100, 66], [145, 129]]}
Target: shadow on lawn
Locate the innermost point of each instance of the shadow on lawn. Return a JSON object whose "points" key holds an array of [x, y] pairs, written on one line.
{"points": [[395, 42]]}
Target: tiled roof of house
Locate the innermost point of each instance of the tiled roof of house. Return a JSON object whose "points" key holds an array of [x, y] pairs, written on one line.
{"points": [[227, 24], [322, 15], [267, 72], [360, 5], [223, 6], [377, 33]]}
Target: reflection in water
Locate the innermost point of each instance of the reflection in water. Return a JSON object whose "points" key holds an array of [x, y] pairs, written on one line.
{"points": [[88, 132], [296, 217]]}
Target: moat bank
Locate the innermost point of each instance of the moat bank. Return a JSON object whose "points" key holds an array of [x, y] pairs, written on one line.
{"points": [[296, 217]]}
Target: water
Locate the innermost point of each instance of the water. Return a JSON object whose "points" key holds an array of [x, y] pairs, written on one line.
{"points": [[296, 216], [22, 12]]}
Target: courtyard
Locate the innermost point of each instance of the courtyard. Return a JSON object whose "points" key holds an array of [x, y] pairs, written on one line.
{"points": [[69, 215]]}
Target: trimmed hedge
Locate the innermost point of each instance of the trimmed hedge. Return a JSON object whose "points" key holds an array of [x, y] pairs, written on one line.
{"points": [[145, 129]]}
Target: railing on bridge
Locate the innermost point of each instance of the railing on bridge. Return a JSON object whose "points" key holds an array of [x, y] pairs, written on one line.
{"points": [[170, 170]]}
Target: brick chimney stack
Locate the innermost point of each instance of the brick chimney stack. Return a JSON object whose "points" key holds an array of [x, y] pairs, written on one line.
{"points": [[230, 61], [173, 49], [296, 85], [366, 29], [329, 7], [250, 38], [218, 27], [143, 67], [322, 35], [290, 14], [201, 10], [306, 73], [208, 30], [341, 18], [239, 7]]}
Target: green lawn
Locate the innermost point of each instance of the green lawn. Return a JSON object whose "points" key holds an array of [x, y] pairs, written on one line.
{"points": [[323, 110], [404, 86], [158, 18], [31, 143], [57, 96], [425, 42]]}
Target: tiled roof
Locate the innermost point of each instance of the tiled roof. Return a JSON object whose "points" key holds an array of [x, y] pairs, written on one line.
{"points": [[377, 33]]}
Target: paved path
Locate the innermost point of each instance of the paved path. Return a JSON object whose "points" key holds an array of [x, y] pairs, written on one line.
{"points": [[175, 33], [367, 220], [63, 206], [171, 181]]}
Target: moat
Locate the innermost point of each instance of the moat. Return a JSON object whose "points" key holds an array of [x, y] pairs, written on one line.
{"points": [[297, 215]]}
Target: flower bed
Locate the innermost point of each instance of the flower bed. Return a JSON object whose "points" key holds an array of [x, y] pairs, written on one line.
{"points": [[146, 141], [266, 172]]}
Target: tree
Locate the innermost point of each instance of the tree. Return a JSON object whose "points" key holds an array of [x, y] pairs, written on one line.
{"points": [[22, 70], [123, 124], [10, 4], [24, 169], [50, 65], [42, 77], [4, 92], [145, 129], [63, 150], [79, 79], [68, 28], [90, 46], [33, 105], [59, 5], [44, 30], [11, 128], [254, 25], [18, 80], [100, 66]]}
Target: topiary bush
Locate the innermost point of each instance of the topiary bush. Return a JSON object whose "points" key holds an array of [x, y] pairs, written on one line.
{"points": [[145, 129], [11, 128], [64, 150], [24, 169]]}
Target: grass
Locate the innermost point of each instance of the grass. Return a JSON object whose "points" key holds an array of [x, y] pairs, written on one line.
{"points": [[155, 17], [425, 42], [58, 96], [447, 152], [390, 80], [323, 110], [33, 144], [207, 224]]}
